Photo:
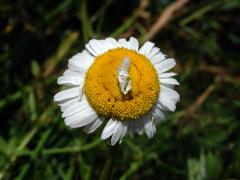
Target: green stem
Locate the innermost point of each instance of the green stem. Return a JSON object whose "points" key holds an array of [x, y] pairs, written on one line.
{"points": [[102, 15], [200, 12], [71, 149], [63, 150], [86, 26], [124, 26], [62, 50]]}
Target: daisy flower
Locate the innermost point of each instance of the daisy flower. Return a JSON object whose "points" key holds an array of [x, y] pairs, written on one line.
{"points": [[116, 82]]}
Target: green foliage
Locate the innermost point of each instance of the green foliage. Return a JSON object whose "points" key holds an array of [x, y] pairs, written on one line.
{"points": [[200, 141], [208, 166]]}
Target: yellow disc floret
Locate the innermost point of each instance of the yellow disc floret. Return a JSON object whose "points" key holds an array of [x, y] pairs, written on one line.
{"points": [[102, 87]]}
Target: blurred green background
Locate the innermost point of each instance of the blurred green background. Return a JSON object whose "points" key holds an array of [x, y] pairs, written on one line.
{"points": [[201, 140]]}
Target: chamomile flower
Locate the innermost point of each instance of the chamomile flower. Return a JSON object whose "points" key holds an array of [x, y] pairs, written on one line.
{"points": [[118, 84]]}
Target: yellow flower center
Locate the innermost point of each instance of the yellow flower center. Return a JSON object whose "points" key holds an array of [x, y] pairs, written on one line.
{"points": [[103, 91]]}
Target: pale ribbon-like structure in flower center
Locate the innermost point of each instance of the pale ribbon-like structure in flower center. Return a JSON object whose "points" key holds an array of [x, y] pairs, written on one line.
{"points": [[123, 76]]}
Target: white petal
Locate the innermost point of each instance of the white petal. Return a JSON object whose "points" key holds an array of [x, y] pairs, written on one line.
{"points": [[150, 128], [112, 42], [139, 125], [146, 48], [124, 131], [77, 68], [160, 106], [140, 131], [77, 107], [91, 50], [72, 80], [169, 81], [93, 126], [123, 43], [97, 46], [165, 75], [158, 115], [167, 102], [153, 52], [171, 86], [108, 129], [87, 57], [129, 125], [117, 133], [79, 60], [69, 72], [135, 126], [104, 44], [67, 94], [109, 44], [82, 118], [159, 57], [165, 65], [133, 43], [170, 93], [68, 104]]}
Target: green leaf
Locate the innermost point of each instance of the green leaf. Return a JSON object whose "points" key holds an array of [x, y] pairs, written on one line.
{"points": [[35, 68], [213, 166]]}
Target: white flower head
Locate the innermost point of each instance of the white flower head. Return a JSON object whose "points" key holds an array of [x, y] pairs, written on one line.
{"points": [[119, 83]]}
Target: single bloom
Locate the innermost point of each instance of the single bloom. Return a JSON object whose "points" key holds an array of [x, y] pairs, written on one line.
{"points": [[116, 82]]}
